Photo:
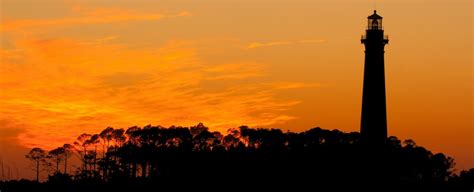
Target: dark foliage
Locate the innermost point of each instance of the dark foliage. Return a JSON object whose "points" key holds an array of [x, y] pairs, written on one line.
{"points": [[153, 158]]}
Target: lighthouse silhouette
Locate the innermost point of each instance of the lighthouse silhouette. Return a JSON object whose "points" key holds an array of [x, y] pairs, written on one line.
{"points": [[373, 127]]}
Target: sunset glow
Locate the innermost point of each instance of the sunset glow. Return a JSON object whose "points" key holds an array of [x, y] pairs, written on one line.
{"points": [[72, 67]]}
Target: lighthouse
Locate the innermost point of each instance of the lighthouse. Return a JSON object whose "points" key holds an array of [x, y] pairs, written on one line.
{"points": [[373, 127]]}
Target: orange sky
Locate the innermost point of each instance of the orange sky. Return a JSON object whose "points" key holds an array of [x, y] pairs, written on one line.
{"points": [[68, 67]]}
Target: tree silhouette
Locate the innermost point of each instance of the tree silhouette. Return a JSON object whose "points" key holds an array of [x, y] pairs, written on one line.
{"points": [[68, 151], [57, 155], [37, 155], [161, 157], [81, 146]]}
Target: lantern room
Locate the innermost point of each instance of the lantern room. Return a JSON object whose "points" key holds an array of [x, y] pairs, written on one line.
{"points": [[375, 22]]}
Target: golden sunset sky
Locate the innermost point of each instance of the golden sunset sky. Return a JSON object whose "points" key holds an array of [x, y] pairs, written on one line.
{"points": [[68, 67]]}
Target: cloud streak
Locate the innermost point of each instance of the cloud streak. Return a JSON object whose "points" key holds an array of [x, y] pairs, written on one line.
{"points": [[281, 43], [101, 40], [87, 17]]}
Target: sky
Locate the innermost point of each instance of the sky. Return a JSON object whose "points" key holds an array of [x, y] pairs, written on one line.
{"points": [[69, 67]]}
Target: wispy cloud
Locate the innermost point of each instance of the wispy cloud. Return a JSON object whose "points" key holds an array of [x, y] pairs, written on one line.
{"points": [[101, 40], [64, 87], [279, 43], [86, 16], [57, 88], [294, 85]]}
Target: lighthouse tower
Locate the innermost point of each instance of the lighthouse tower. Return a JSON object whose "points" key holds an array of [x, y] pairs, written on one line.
{"points": [[374, 111]]}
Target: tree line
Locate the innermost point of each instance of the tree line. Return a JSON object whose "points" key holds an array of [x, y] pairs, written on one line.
{"points": [[157, 156]]}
